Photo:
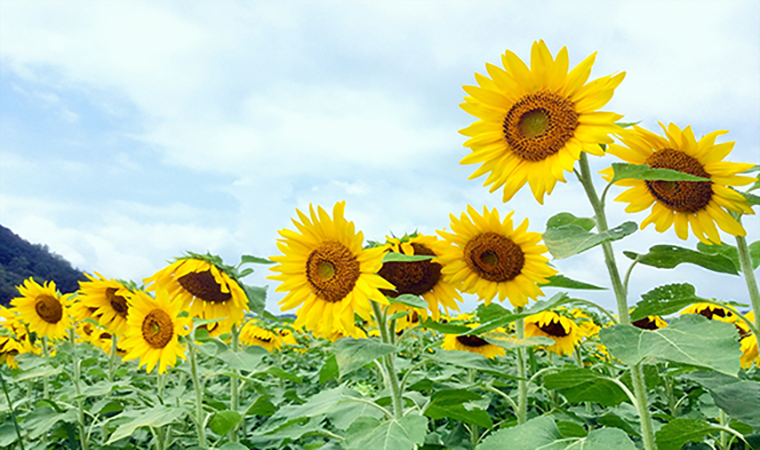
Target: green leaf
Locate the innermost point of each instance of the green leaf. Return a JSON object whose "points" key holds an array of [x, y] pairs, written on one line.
{"points": [[569, 240], [690, 339], [571, 429], [508, 317], [680, 431], [644, 172], [409, 300], [664, 300], [42, 420], [565, 218], [752, 199], [740, 400], [584, 385], [329, 370], [446, 328], [731, 252], [509, 341], [152, 417], [224, 421], [670, 256], [343, 414], [233, 446], [561, 281], [257, 298], [319, 404], [542, 433], [250, 259], [37, 372], [469, 360], [261, 407], [451, 403], [353, 354], [398, 434], [7, 434], [400, 257], [247, 360]]}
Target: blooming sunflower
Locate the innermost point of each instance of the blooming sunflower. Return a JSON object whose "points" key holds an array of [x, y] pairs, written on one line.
{"points": [[106, 300], [204, 290], [490, 256], [710, 311], [421, 278], [43, 309], [681, 204], [153, 327], [473, 344], [14, 340], [252, 334], [325, 269], [565, 333], [586, 325], [535, 122]]}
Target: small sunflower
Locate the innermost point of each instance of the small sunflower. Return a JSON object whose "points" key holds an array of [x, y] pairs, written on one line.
{"points": [[106, 300], [700, 205], [565, 333], [251, 334], [650, 323], [43, 309], [710, 311], [535, 122], [14, 338], [325, 270], [472, 344], [586, 325], [205, 291], [490, 257], [421, 278], [153, 328]]}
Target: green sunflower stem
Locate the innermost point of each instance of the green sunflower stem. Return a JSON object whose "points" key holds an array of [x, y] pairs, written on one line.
{"points": [[621, 295], [388, 361], [199, 416], [522, 383], [77, 388], [745, 262], [12, 410], [234, 396], [474, 429], [112, 358], [45, 384]]}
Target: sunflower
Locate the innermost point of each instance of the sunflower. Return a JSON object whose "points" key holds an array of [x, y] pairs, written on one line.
{"points": [[325, 269], [710, 311], [699, 204], [106, 300], [565, 333], [473, 344], [586, 325], [650, 323], [534, 123], [490, 256], [421, 278], [204, 290], [14, 338], [153, 327], [43, 309], [252, 334]]}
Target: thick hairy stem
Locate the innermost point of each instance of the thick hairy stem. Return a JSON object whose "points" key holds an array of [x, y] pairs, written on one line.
{"points": [[45, 385], [745, 261], [80, 404], [199, 416], [522, 383], [388, 362], [12, 410], [234, 396]]}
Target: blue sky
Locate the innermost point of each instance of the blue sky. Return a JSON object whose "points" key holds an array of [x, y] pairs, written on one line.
{"points": [[133, 131]]}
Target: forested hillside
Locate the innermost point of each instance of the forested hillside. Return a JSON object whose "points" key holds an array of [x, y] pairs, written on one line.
{"points": [[20, 259]]}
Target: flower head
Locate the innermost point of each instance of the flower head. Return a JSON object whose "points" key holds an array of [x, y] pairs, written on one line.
{"points": [[562, 330], [472, 343], [43, 309], [106, 302]]}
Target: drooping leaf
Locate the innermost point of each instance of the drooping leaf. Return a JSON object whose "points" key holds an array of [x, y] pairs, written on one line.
{"points": [[451, 403], [247, 360], [740, 400], [469, 360], [409, 300], [508, 317], [561, 281], [329, 370], [42, 420], [566, 218], [569, 240], [446, 328], [508, 341], [257, 298], [353, 354], [624, 171], [250, 259], [224, 421], [670, 256], [732, 253], [690, 339], [154, 417], [584, 385], [400, 257], [665, 300], [397, 434], [680, 431]]}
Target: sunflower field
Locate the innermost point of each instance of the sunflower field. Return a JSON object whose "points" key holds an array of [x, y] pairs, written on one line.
{"points": [[378, 355]]}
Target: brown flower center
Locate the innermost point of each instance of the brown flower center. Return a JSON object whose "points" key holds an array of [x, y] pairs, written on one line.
{"points": [[413, 277], [494, 257], [554, 328], [471, 341], [157, 328], [332, 270], [681, 196], [645, 324], [48, 308], [712, 312], [118, 303], [203, 285], [539, 125]]}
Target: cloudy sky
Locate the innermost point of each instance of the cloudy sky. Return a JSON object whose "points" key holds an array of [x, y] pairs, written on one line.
{"points": [[133, 131]]}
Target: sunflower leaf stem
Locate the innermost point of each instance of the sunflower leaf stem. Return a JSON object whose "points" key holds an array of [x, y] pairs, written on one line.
{"points": [[398, 410], [522, 383], [112, 358], [77, 388], [750, 324], [234, 395], [474, 429], [745, 262], [45, 384], [637, 376], [509, 400], [630, 271], [12, 410], [598, 307], [200, 423], [723, 418]]}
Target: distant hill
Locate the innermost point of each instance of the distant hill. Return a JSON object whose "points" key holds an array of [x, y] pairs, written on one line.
{"points": [[20, 260]]}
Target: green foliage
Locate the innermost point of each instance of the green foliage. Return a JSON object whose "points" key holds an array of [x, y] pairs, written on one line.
{"points": [[670, 256], [561, 281], [396, 434], [571, 239], [624, 171], [352, 354], [665, 300]]}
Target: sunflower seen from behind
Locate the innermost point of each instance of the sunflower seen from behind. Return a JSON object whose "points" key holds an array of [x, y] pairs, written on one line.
{"points": [[253, 335], [534, 122], [204, 290], [325, 271], [421, 278], [153, 330], [491, 257], [565, 333], [106, 301], [702, 206], [749, 349], [43, 309]]}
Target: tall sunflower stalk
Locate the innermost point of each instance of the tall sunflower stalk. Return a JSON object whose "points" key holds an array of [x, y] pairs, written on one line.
{"points": [[637, 376], [388, 363], [745, 262], [80, 402]]}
